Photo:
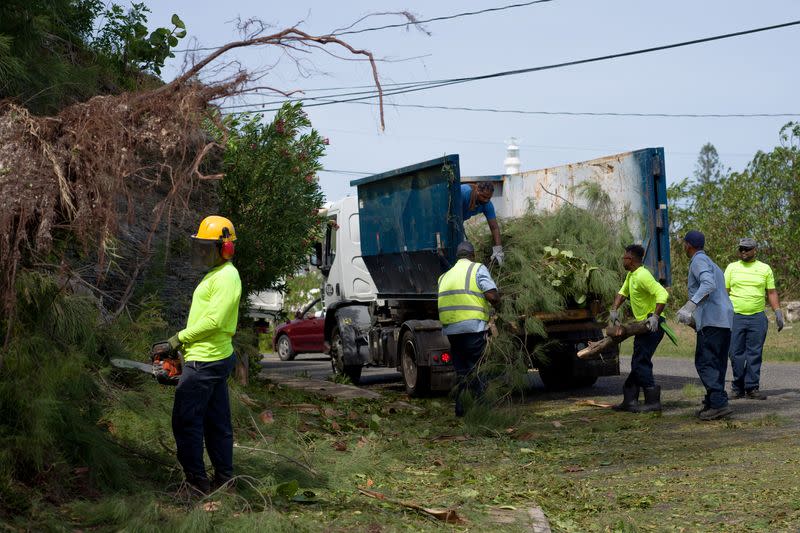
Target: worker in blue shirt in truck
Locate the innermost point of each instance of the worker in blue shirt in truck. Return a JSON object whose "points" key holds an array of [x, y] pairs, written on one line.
{"points": [[467, 293], [477, 198]]}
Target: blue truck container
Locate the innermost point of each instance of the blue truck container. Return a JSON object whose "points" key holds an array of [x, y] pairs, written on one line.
{"points": [[410, 223]]}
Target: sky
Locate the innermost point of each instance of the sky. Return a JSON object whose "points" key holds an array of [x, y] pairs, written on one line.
{"points": [[747, 74]]}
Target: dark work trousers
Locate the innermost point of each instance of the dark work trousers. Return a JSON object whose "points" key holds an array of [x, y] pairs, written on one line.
{"points": [[747, 343], [644, 346], [711, 362], [202, 409], [467, 349]]}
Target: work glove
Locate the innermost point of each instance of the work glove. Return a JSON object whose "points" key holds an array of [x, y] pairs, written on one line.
{"points": [[174, 342], [498, 254], [652, 323], [779, 319], [685, 313], [613, 316]]}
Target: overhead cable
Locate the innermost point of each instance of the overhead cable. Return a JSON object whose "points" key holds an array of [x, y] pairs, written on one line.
{"points": [[452, 81]]}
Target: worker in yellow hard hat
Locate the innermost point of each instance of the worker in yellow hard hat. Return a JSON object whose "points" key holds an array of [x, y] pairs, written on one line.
{"points": [[201, 409]]}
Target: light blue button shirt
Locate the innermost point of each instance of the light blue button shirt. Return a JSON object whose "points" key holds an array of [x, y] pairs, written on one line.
{"points": [[485, 283], [707, 290]]}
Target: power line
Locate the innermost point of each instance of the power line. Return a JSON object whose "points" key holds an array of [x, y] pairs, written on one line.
{"points": [[325, 100], [447, 17], [587, 113], [406, 24], [347, 172]]}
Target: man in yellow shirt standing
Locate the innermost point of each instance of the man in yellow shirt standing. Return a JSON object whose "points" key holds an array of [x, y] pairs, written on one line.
{"points": [[202, 409], [648, 299], [747, 281]]}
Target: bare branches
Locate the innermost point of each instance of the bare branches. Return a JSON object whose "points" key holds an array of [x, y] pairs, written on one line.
{"points": [[288, 38]]}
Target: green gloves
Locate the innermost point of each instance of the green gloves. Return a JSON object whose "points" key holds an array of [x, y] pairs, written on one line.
{"points": [[174, 342], [779, 319]]}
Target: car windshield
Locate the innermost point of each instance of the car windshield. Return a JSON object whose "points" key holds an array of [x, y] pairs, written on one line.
{"points": [[312, 309]]}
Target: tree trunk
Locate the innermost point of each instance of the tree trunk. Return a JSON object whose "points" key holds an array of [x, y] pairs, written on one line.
{"points": [[614, 335], [242, 369]]}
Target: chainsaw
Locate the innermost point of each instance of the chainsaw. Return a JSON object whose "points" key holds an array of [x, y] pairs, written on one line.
{"points": [[165, 364]]}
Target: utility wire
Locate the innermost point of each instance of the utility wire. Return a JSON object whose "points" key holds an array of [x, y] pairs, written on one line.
{"points": [[589, 113], [452, 81], [446, 17], [347, 172], [404, 24]]}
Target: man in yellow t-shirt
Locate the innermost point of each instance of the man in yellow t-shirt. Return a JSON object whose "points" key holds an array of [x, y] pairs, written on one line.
{"points": [[201, 410], [648, 299], [748, 281]]}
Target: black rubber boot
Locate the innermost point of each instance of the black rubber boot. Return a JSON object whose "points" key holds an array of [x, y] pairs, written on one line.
{"points": [[652, 400], [630, 399]]}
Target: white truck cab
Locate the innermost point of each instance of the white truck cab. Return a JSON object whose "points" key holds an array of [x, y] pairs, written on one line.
{"points": [[346, 276]]}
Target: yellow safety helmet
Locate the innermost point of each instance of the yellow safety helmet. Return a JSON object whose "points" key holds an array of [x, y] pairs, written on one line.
{"points": [[215, 228]]}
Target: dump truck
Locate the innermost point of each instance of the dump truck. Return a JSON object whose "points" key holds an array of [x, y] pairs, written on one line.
{"points": [[384, 250]]}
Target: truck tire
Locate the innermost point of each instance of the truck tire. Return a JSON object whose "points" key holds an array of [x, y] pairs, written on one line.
{"points": [[285, 351], [416, 379], [351, 371]]}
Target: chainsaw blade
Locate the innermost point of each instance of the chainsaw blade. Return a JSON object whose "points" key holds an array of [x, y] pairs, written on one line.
{"points": [[147, 368]]}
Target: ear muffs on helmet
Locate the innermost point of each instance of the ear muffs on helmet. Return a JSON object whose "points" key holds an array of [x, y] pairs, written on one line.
{"points": [[227, 248]]}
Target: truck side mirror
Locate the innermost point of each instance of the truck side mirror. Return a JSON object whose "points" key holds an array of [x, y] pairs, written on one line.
{"points": [[316, 259]]}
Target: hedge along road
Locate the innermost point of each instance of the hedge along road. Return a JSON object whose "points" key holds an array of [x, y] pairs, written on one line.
{"points": [[676, 375]]}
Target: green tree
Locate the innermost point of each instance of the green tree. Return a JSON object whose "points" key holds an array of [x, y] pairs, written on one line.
{"points": [[50, 59], [125, 39], [271, 194], [301, 289], [708, 167], [762, 201]]}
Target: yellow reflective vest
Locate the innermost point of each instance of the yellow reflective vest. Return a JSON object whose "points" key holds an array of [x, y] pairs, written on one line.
{"points": [[460, 298]]}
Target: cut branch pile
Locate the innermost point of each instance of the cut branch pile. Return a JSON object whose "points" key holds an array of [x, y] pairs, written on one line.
{"points": [[565, 259], [554, 261]]}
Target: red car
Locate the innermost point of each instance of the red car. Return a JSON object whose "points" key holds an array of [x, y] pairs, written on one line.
{"points": [[304, 334]]}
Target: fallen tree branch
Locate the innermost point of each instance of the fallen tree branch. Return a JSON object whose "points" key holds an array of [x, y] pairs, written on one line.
{"points": [[615, 334], [448, 516], [295, 461]]}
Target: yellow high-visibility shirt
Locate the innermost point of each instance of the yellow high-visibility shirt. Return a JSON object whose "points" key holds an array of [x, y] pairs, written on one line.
{"points": [[748, 284], [644, 292], [213, 316]]}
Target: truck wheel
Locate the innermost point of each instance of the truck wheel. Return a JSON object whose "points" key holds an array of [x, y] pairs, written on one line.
{"points": [[417, 379], [351, 371], [285, 351]]}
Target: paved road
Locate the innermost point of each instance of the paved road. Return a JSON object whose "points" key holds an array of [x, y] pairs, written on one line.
{"points": [[779, 380], [318, 366]]}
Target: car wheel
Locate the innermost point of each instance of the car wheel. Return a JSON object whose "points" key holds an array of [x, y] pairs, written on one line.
{"points": [[337, 362], [417, 380], [285, 351]]}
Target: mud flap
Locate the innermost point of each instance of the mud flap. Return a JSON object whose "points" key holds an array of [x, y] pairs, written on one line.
{"points": [[354, 323]]}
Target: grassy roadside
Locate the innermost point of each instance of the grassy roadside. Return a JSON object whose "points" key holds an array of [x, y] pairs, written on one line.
{"points": [[781, 346], [589, 469]]}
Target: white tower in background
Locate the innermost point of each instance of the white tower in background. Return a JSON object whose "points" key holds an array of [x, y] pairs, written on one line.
{"points": [[511, 162]]}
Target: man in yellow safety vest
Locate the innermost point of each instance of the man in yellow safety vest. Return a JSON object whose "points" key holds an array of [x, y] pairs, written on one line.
{"points": [[466, 294]]}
